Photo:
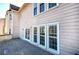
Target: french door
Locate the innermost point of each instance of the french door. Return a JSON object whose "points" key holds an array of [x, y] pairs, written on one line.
{"points": [[35, 35], [27, 34], [42, 36], [47, 37]]}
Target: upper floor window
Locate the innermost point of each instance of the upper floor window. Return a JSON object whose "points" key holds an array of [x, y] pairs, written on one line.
{"points": [[10, 17], [50, 5], [42, 7], [35, 8], [6, 13]]}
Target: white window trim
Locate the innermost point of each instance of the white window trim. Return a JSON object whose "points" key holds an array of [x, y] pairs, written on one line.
{"points": [[44, 8], [33, 9], [23, 33], [33, 35], [38, 9], [44, 47], [52, 7], [52, 50], [46, 37]]}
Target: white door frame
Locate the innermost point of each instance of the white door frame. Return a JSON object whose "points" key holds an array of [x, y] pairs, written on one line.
{"points": [[33, 35], [49, 49], [22, 34], [29, 40]]}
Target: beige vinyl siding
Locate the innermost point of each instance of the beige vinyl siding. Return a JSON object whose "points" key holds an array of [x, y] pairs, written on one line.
{"points": [[67, 14], [15, 25], [26, 18]]}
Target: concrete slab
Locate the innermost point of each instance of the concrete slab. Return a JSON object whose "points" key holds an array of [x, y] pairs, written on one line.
{"points": [[20, 47]]}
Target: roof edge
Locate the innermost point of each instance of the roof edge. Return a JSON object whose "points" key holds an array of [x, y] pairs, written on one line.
{"points": [[25, 4]]}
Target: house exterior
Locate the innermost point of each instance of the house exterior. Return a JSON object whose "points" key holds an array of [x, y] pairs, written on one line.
{"points": [[12, 19], [2, 20], [53, 27], [4, 30]]}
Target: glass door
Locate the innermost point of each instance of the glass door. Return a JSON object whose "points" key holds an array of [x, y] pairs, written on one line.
{"points": [[42, 36], [27, 34], [35, 35]]}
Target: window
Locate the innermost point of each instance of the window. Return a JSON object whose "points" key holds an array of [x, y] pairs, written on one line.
{"points": [[9, 31], [35, 34], [53, 37], [27, 34], [6, 13], [42, 7], [50, 5], [10, 17], [35, 8], [42, 35]]}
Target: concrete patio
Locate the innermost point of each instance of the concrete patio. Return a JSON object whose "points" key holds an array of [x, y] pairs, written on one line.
{"points": [[20, 47]]}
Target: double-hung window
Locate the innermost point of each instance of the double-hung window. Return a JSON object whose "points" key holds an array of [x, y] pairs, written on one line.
{"points": [[35, 8], [42, 7], [53, 37], [51, 5]]}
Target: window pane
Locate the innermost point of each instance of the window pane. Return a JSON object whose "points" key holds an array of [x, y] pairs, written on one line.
{"points": [[42, 32], [35, 11], [52, 5], [52, 30], [35, 38], [35, 8], [42, 7], [26, 34], [42, 40], [35, 30], [53, 43]]}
